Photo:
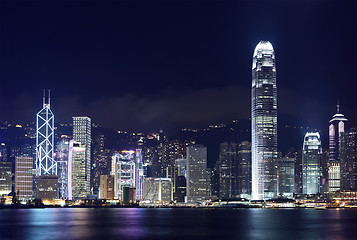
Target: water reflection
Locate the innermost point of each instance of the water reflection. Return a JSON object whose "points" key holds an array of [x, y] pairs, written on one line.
{"points": [[183, 224]]}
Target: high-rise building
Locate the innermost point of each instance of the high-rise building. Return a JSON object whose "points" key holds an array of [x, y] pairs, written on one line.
{"points": [[129, 195], [180, 180], [157, 189], [45, 163], [348, 159], [286, 177], [336, 129], [123, 169], [196, 172], [311, 164], [5, 178], [244, 169], [62, 149], [24, 177], [47, 187], [3, 152], [139, 174], [102, 162], [106, 189], [78, 185], [82, 134], [264, 122], [227, 164]]}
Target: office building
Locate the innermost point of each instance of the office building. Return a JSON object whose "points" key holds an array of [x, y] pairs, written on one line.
{"points": [[3, 152], [336, 129], [286, 177], [129, 195], [227, 167], [47, 187], [311, 164], [157, 189], [78, 184], [196, 185], [264, 122], [61, 157], [82, 135], [180, 180], [24, 177], [102, 162], [348, 159], [244, 170], [106, 189], [5, 178], [123, 169]]}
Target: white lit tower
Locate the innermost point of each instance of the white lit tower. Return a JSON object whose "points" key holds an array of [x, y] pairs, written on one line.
{"points": [[311, 164], [45, 163], [336, 129], [264, 122], [139, 174], [123, 169], [82, 134]]}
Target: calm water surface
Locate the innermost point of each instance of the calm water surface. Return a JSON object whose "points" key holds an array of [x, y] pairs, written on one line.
{"points": [[184, 224]]}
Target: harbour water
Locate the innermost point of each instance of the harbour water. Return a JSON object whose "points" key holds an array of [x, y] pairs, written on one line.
{"points": [[184, 224]]}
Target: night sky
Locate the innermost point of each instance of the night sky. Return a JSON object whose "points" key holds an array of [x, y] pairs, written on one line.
{"points": [[150, 65]]}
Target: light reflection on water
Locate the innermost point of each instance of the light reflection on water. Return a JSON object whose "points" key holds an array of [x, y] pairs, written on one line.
{"points": [[184, 224]]}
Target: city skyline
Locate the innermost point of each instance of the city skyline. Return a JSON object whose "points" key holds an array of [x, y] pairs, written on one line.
{"points": [[170, 82]]}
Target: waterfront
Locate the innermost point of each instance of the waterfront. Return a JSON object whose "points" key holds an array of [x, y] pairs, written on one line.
{"points": [[141, 223]]}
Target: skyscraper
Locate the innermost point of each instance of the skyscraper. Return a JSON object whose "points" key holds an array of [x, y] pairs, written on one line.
{"points": [[244, 169], [264, 122], [311, 164], [62, 149], [196, 172], [5, 178], [45, 164], [123, 169], [82, 134], [348, 160], [336, 129], [23, 177], [286, 176], [227, 167], [78, 185]]}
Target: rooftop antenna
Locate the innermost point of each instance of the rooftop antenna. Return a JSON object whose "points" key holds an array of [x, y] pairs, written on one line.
{"points": [[44, 101], [338, 106], [49, 97]]}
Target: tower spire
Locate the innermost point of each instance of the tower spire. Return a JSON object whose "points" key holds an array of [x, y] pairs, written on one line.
{"points": [[338, 106], [49, 97], [44, 100]]}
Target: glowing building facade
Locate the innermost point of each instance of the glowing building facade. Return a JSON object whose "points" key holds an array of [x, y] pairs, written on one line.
{"points": [[264, 122], [45, 163], [82, 134], [311, 164], [336, 129], [61, 157], [24, 177], [78, 186], [139, 174], [123, 169]]}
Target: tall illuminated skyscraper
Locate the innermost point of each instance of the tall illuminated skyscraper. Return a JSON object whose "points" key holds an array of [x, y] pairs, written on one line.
{"points": [[311, 164], [82, 134], [78, 185], [336, 129], [45, 163], [264, 122]]}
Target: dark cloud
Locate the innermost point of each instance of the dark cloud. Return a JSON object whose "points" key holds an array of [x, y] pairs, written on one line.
{"points": [[167, 109]]}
